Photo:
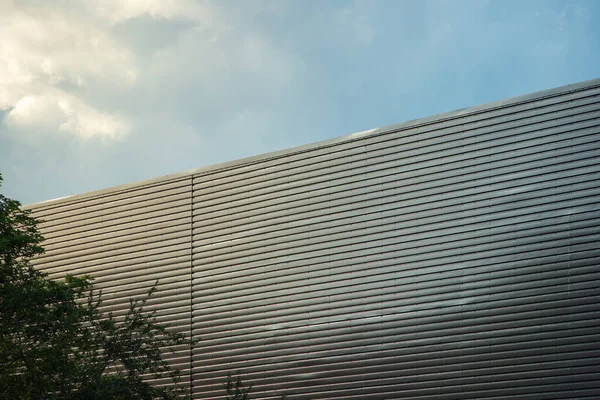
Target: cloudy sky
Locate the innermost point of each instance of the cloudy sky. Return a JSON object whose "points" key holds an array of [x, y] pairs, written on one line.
{"points": [[96, 93]]}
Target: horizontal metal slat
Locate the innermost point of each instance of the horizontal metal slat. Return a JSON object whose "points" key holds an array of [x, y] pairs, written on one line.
{"points": [[574, 193], [517, 352], [110, 262], [396, 193], [430, 308], [164, 291], [403, 278], [116, 251], [101, 210], [496, 345], [434, 252], [113, 196], [460, 228], [277, 275], [549, 255], [328, 279], [112, 236], [132, 283], [383, 322], [78, 224], [211, 208], [210, 235], [371, 335], [405, 157], [127, 272], [210, 232], [411, 297], [435, 387], [497, 374], [115, 247], [392, 138], [407, 248]]}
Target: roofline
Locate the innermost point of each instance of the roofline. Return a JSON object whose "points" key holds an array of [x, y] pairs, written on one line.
{"points": [[329, 142]]}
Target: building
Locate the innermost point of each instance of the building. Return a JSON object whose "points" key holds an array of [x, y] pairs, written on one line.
{"points": [[451, 257]]}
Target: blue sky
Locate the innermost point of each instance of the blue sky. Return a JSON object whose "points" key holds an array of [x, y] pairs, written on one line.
{"points": [[96, 93]]}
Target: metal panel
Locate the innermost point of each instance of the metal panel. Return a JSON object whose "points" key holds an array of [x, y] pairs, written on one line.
{"points": [[369, 160], [450, 257], [127, 240], [395, 265]]}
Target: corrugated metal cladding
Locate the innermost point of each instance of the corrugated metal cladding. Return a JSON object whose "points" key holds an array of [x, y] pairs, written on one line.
{"points": [[127, 240], [454, 257]]}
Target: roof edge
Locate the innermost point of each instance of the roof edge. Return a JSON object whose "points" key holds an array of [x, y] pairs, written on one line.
{"points": [[326, 143]]}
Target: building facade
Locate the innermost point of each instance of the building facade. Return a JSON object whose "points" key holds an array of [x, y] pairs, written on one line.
{"points": [[451, 257]]}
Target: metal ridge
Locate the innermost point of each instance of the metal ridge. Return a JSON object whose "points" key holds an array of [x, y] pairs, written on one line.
{"points": [[459, 113]]}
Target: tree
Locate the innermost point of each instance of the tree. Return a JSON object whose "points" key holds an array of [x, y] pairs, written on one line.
{"points": [[235, 389], [54, 341]]}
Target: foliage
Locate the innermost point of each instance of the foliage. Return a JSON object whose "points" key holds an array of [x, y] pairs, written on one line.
{"points": [[54, 341], [236, 390]]}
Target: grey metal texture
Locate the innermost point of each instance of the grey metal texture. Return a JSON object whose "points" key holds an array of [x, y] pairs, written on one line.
{"points": [[127, 240], [453, 257]]}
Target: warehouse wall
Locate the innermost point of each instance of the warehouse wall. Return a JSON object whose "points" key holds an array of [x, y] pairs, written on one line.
{"points": [[450, 257], [127, 240]]}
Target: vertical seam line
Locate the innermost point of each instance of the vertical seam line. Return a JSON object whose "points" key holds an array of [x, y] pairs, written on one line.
{"points": [[191, 282]]}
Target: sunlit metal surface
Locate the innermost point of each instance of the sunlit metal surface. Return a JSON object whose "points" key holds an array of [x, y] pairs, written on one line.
{"points": [[453, 257]]}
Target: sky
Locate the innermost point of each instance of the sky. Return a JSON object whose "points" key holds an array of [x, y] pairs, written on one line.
{"points": [[98, 93]]}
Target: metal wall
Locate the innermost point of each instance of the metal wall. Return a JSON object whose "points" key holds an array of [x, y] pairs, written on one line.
{"points": [[127, 240], [451, 257]]}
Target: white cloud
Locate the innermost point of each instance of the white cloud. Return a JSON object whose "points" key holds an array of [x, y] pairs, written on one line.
{"points": [[71, 53], [87, 121], [101, 92], [65, 113], [54, 46], [117, 11], [35, 112], [46, 51]]}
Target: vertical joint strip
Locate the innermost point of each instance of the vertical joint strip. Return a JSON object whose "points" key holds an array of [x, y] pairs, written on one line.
{"points": [[191, 281]]}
